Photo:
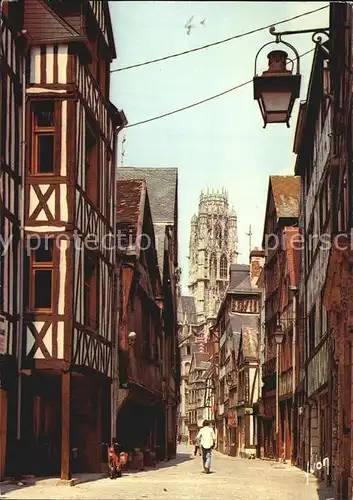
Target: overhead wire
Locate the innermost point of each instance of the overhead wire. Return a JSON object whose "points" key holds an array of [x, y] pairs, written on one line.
{"points": [[207, 99], [202, 47]]}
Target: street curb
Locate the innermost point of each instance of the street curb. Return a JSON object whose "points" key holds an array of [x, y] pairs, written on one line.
{"points": [[51, 481], [67, 482]]}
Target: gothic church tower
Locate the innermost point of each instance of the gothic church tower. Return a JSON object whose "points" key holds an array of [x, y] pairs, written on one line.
{"points": [[212, 249]]}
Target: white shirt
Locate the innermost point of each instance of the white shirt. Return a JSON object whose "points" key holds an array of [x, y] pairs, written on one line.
{"points": [[207, 437]]}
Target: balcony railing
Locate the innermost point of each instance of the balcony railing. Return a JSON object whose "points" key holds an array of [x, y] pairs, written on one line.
{"points": [[318, 369]]}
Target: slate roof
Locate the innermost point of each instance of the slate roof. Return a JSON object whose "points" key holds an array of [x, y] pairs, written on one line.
{"points": [[286, 194], [161, 186], [159, 234], [250, 342], [187, 309], [206, 365], [238, 273], [240, 279]]}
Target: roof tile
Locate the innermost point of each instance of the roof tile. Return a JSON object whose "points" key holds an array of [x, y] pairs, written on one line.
{"points": [[286, 194], [129, 195]]}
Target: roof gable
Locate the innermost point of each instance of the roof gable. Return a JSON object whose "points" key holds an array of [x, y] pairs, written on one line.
{"points": [[283, 200], [162, 186], [130, 206], [286, 194], [43, 24], [162, 190]]}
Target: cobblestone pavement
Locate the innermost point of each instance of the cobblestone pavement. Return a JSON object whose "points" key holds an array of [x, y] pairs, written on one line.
{"points": [[232, 478]]}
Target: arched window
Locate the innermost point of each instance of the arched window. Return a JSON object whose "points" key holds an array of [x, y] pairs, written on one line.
{"points": [[218, 234], [206, 259], [213, 267], [187, 368], [223, 268]]}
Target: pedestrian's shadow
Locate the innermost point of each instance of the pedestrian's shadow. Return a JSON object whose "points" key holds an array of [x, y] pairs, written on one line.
{"points": [[173, 462]]}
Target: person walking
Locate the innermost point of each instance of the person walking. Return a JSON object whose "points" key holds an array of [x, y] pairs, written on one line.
{"points": [[197, 447], [207, 440]]}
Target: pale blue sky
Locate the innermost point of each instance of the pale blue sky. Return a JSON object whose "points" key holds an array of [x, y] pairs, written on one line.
{"points": [[219, 143]]}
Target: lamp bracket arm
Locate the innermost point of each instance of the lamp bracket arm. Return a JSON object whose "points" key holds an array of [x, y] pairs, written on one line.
{"points": [[314, 31], [319, 35]]}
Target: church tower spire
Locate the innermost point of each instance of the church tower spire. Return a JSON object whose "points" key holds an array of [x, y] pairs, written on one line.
{"points": [[213, 248]]}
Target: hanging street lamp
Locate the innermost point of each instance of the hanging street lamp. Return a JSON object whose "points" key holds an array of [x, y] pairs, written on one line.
{"points": [[278, 87]]}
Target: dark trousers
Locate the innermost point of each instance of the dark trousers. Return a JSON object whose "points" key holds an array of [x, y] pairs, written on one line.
{"points": [[197, 450], [204, 454]]}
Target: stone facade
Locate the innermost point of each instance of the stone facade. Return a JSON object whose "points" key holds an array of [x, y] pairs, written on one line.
{"points": [[212, 249]]}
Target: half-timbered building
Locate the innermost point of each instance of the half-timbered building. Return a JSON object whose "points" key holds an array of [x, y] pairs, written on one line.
{"points": [[141, 407], [280, 282], [13, 47], [247, 374], [338, 287], [282, 212], [197, 382], [323, 145], [162, 187], [312, 165], [65, 338], [188, 328], [240, 307]]}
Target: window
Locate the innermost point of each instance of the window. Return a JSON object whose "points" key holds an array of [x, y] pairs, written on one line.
{"points": [[312, 318], [218, 235], [223, 268], [41, 280], [91, 164], [91, 292], [43, 138], [213, 267]]}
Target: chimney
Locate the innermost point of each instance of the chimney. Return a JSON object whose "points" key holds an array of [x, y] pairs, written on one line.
{"points": [[257, 260]]}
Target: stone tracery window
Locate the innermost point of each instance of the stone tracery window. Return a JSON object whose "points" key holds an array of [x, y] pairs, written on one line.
{"points": [[218, 235], [223, 267], [213, 267]]}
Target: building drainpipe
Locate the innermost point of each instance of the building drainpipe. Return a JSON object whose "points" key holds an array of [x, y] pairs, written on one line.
{"points": [[293, 289], [21, 240], [115, 367]]}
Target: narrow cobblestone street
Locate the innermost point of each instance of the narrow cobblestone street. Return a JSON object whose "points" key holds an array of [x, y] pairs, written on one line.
{"points": [[237, 479]]}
